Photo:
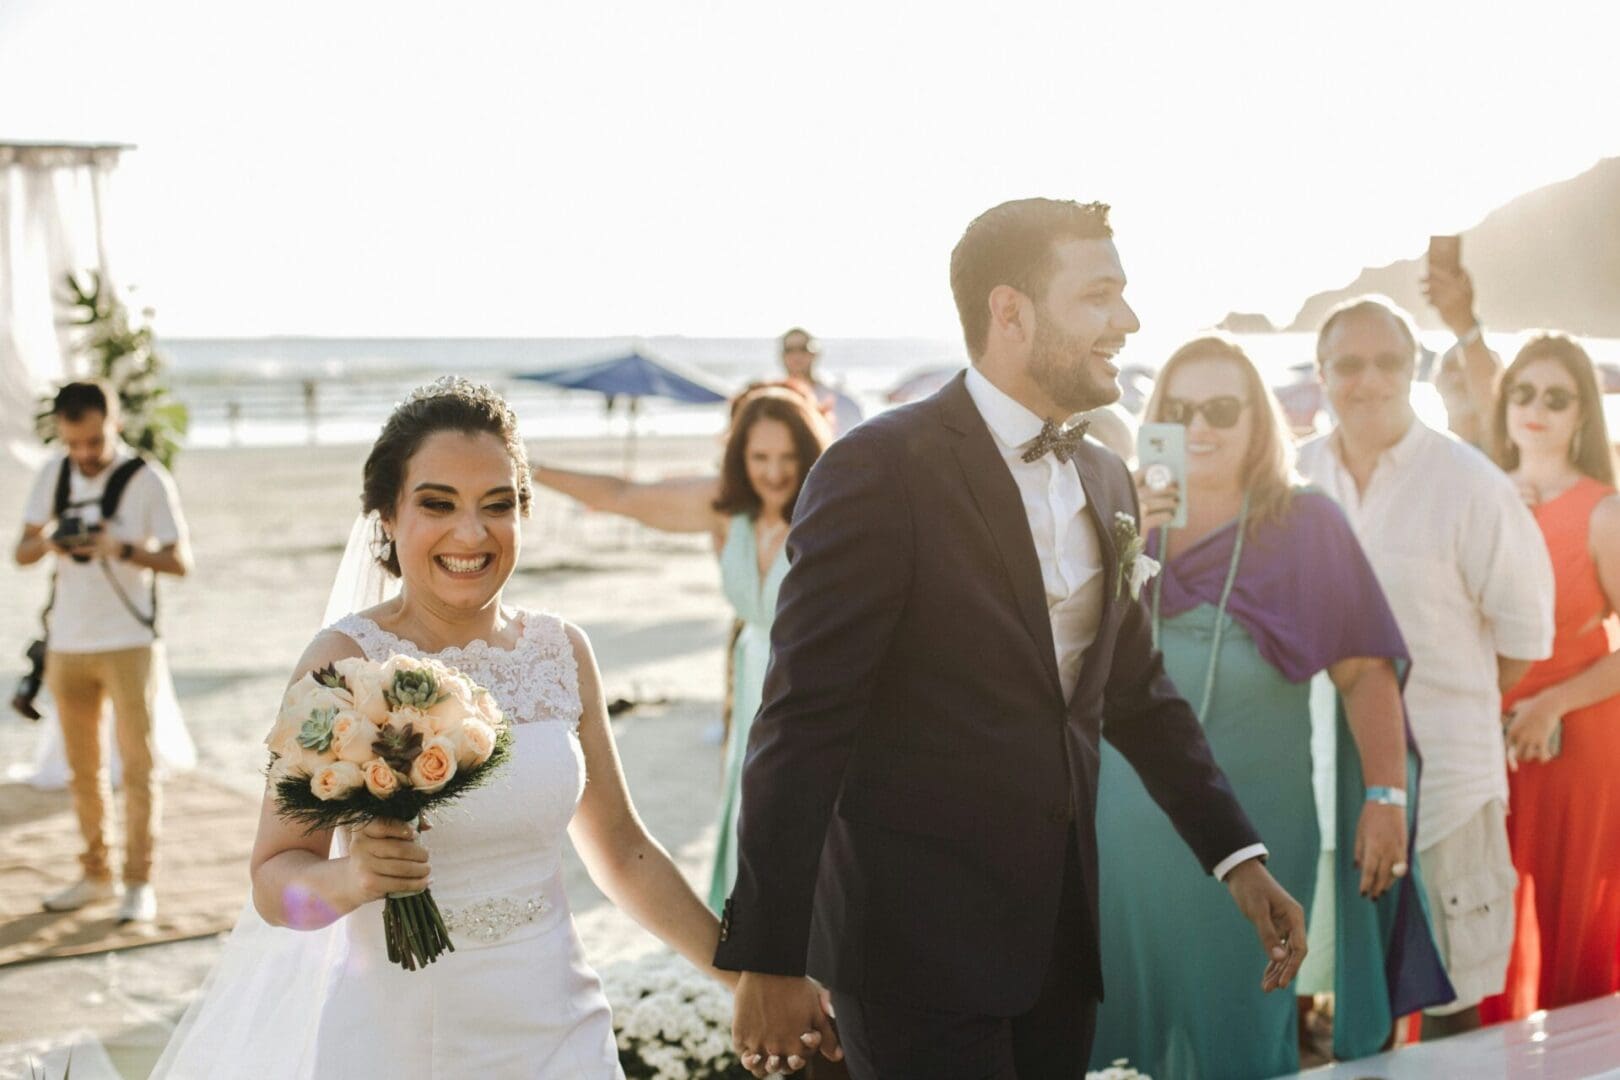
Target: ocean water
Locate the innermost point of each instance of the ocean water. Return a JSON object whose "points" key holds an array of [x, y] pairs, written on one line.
{"points": [[281, 391]]}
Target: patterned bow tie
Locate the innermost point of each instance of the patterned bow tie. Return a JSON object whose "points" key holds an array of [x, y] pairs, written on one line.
{"points": [[1064, 443]]}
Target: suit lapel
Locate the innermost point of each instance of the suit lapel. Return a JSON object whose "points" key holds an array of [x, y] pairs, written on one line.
{"points": [[996, 494], [1102, 519]]}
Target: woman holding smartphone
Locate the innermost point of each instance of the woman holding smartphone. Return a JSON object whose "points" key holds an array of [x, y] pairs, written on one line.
{"points": [[1262, 588], [1563, 718]]}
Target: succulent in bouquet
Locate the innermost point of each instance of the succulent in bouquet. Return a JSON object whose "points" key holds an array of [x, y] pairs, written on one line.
{"points": [[360, 740]]}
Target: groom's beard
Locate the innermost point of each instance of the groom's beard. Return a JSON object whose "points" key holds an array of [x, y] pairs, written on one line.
{"points": [[1062, 366]]}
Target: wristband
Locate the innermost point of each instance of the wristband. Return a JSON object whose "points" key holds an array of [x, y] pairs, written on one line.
{"points": [[1387, 796], [1465, 340]]}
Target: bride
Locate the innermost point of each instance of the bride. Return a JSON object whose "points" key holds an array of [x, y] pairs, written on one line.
{"points": [[313, 993]]}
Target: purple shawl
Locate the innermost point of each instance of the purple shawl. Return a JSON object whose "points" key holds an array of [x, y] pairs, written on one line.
{"points": [[1304, 591]]}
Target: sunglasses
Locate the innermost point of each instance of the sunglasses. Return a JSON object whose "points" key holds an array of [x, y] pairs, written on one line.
{"points": [[1348, 367], [1221, 412], [1556, 398]]}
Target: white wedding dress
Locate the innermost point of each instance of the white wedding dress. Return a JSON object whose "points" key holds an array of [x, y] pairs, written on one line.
{"points": [[515, 999]]}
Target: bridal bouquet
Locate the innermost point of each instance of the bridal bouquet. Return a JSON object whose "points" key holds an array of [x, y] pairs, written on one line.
{"points": [[360, 740]]}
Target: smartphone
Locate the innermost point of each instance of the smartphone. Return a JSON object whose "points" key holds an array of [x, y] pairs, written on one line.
{"points": [[1445, 253], [1161, 455]]}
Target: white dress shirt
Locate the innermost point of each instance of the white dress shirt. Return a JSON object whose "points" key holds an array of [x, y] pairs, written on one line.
{"points": [[1066, 544], [1466, 572]]}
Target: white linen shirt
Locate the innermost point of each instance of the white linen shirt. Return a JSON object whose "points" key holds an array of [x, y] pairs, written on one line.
{"points": [[1066, 544], [1468, 577], [87, 616]]}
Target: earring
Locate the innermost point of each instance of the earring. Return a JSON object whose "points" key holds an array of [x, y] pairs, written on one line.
{"points": [[1575, 443], [388, 550]]}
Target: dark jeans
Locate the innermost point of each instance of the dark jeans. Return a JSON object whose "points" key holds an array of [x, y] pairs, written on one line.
{"points": [[886, 1040]]}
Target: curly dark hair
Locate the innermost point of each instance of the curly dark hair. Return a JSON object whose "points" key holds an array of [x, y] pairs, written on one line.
{"points": [[810, 437], [452, 405]]}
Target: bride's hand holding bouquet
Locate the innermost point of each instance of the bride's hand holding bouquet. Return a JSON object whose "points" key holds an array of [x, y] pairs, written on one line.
{"points": [[371, 747]]}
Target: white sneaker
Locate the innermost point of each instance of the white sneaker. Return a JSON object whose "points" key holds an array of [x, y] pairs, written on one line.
{"points": [[140, 904], [82, 892]]}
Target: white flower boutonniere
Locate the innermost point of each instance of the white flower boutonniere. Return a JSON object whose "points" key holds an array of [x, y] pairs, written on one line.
{"points": [[1136, 569]]}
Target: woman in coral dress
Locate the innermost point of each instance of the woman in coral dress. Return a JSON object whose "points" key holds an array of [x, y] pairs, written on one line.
{"points": [[1563, 718]]}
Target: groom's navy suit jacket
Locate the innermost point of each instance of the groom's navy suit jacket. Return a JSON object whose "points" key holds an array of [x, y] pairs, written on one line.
{"points": [[914, 772]]}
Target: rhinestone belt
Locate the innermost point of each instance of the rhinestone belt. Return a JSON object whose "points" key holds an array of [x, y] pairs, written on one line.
{"points": [[490, 920]]}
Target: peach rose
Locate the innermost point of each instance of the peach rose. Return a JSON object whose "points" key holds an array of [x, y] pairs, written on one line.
{"points": [[335, 780], [410, 716], [488, 710], [434, 766], [366, 687], [352, 736], [451, 713], [475, 741], [381, 780]]}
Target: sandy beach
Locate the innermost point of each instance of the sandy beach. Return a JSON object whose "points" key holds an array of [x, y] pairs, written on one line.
{"points": [[268, 526]]}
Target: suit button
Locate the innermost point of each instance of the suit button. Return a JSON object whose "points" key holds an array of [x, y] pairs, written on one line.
{"points": [[1057, 813]]}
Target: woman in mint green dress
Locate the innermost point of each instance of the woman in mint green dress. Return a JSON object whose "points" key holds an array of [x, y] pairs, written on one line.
{"points": [[1263, 588], [776, 434]]}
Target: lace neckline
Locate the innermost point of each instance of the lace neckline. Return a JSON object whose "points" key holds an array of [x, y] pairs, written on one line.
{"points": [[476, 648]]}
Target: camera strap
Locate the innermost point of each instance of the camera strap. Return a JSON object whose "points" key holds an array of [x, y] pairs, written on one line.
{"points": [[111, 495]]}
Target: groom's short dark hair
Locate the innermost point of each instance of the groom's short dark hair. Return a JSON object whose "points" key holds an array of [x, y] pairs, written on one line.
{"points": [[1011, 244]]}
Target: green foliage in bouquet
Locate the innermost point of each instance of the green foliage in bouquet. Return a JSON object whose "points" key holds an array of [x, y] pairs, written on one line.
{"points": [[121, 352]]}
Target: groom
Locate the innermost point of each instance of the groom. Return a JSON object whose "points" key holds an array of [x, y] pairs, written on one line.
{"points": [[955, 633]]}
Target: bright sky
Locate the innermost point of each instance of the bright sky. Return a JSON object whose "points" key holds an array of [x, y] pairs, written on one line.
{"points": [[734, 166]]}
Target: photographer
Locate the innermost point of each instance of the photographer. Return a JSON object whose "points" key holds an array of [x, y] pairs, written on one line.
{"points": [[112, 520]]}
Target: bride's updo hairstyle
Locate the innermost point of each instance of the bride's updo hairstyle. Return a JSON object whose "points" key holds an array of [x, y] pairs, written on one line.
{"points": [[449, 404]]}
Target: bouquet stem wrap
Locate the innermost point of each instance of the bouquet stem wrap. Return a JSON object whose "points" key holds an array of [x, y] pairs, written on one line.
{"points": [[414, 929]]}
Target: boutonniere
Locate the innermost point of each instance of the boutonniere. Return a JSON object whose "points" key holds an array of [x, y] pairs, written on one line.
{"points": [[1136, 568]]}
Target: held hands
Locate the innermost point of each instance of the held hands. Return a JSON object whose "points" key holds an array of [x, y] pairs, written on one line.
{"points": [[385, 857], [1530, 726], [1158, 507], [779, 1021], [1380, 847], [1277, 918]]}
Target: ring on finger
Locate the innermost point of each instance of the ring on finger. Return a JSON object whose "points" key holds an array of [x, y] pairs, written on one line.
{"points": [[1399, 869]]}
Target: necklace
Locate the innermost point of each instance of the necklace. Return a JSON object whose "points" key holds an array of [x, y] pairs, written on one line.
{"points": [[1220, 610]]}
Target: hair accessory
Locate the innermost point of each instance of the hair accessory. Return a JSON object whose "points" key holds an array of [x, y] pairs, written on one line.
{"points": [[453, 386]]}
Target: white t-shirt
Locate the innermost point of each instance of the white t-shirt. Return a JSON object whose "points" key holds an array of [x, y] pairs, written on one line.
{"points": [[88, 615], [1466, 572]]}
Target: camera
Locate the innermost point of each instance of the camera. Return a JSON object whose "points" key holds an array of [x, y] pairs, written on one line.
{"points": [[72, 531], [28, 686]]}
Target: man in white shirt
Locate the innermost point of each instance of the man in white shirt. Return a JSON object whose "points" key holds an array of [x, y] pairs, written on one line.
{"points": [[960, 626], [112, 521], [1467, 574], [800, 352]]}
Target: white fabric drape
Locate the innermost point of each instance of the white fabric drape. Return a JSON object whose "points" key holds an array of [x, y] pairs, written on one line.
{"points": [[52, 220]]}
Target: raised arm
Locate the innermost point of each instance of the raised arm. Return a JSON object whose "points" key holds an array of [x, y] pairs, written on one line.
{"points": [[295, 882], [682, 505]]}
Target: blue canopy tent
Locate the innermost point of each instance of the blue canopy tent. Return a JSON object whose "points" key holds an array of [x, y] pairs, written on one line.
{"points": [[633, 376]]}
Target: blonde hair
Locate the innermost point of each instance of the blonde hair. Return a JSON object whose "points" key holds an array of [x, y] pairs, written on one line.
{"points": [[1267, 472]]}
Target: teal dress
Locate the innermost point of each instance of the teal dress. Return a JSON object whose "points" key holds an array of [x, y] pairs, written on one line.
{"points": [[1181, 966], [755, 602]]}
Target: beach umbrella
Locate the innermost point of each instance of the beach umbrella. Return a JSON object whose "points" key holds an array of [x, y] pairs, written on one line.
{"points": [[633, 377]]}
